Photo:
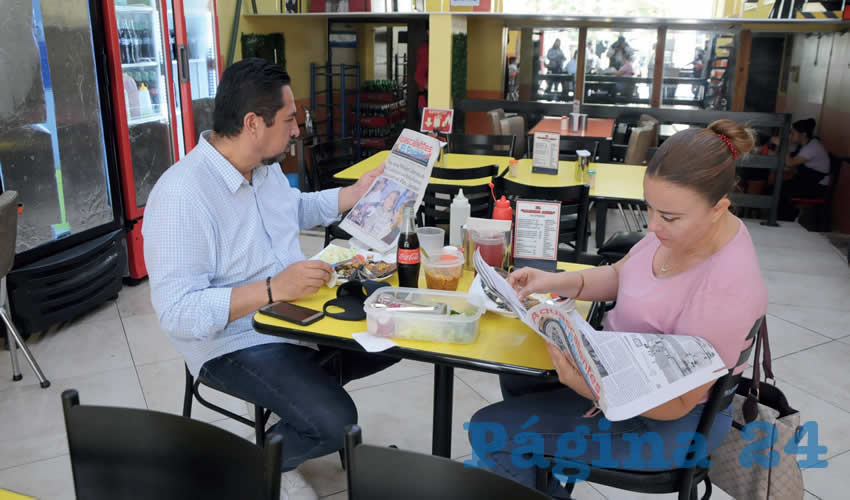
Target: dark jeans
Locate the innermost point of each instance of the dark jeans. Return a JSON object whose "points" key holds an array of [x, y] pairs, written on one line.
{"points": [[561, 410], [804, 184], [287, 379]]}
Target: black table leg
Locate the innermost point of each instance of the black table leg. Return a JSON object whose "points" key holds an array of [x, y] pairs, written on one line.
{"points": [[441, 440], [601, 218]]}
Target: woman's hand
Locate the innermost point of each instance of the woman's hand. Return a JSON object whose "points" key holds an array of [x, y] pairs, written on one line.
{"points": [[529, 280], [568, 374]]}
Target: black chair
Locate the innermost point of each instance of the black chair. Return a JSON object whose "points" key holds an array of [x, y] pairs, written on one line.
{"points": [[379, 472], [567, 148], [131, 453], [434, 210], [490, 145], [328, 159], [575, 201], [261, 415], [682, 481]]}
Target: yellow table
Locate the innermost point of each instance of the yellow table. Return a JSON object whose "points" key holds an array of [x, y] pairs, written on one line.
{"points": [[613, 180], [504, 345], [452, 160]]}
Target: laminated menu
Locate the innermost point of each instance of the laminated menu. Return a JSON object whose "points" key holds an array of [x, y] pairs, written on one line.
{"points": [[376, 219], [628, 373]]}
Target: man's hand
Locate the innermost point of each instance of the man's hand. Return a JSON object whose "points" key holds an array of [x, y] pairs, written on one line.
{"points": [[300, 280], [349, 196]]}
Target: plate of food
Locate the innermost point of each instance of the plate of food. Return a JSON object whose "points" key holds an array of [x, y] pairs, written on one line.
{"points": [[493, 302], [352, 263]]}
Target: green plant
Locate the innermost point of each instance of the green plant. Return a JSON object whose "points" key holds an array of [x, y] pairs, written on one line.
{"points": [[459, 56]]}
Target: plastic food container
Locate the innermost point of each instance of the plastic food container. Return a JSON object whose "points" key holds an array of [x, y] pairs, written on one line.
{"points": [[443, 272], [418, 314]]}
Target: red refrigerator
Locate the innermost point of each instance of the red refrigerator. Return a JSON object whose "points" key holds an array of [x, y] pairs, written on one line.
{"points": [[164, 66]]}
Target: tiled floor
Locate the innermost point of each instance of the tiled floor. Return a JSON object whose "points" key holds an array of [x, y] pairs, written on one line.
{"points": [[118, 356]]}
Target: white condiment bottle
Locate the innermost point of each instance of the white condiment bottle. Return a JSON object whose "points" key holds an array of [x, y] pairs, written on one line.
{"points": [[458, 215]]}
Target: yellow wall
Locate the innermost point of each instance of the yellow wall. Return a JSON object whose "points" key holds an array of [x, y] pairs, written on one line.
{"points": [[439, 61], [513, 42], [306, 40], [485, 62], [728, 8]]}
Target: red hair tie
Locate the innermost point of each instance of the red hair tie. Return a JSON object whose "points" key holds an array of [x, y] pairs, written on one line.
{"points": [[730, 145]]}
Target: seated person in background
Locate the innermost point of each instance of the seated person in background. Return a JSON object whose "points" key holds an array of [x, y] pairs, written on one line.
{"points": [[627, 69], [695, 273], [809, 169], [221, 239]]}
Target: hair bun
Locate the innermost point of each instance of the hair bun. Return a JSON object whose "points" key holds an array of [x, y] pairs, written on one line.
{"points": [[740, 136]]}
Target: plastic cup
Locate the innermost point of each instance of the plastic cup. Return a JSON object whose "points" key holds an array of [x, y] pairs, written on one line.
{"points": [[564, 123], [444, 270], [492, 247], [431, 239]]}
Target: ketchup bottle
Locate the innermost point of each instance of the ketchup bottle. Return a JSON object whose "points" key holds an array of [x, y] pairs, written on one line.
{"points": [[502, 210]]}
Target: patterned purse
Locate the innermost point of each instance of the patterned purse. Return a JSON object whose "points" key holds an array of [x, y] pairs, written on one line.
{"points": [[752, 463]]}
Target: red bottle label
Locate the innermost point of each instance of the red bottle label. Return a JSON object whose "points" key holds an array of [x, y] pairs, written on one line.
{"points": [[406, 256]]}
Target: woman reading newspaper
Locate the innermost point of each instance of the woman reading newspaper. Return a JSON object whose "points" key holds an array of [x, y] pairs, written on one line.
{"points": [[695, 273]]}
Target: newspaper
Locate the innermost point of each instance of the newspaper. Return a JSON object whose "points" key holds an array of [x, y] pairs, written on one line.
{"points": [[375, 220], [628, 373]]}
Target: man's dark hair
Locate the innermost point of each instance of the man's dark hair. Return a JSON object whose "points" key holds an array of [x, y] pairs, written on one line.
{"points": [[806, 126], [250, 85]]}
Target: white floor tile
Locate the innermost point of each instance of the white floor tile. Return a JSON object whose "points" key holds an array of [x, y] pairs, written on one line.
{"points": [[325, 474], [74, 350], [830, 482], [48, 479], [787, 338], [809, 496], [485, 384], [813, 262], [829, 322], [401, 413], [802, 290], [831, 420], [33, 419], [106, 311], [342, 495], [148, 343], [135, 300], [402, 370], [311, 243], [821, 371], [163, 386]]}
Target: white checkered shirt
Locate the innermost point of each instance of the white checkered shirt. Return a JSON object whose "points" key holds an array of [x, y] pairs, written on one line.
{"points": [[206, 231]]}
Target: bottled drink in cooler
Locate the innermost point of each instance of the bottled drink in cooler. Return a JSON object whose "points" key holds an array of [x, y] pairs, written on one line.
{"points": [[124, 42], [407, 255]]}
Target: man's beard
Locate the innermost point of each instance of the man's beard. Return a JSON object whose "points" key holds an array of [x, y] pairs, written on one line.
{"points": [[281, 156]]}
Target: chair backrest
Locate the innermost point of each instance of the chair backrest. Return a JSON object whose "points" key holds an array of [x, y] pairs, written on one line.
{"points": [[379, 472], [645, 120], [8, 230], [129, 453], [327, 159], [473, 144], [575, 201], [723, 391], [438, 196], [568, 147], [495, 117], [515, 126], [639, 143]]}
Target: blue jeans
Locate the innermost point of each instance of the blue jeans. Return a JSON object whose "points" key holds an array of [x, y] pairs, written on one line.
{"points": [[561, 410], [287, 379]]}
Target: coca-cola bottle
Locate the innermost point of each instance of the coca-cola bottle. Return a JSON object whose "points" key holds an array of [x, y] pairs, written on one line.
{"points": [[407, 256]]}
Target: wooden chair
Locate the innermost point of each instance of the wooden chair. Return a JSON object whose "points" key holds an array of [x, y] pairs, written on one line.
{"points": [[131, 453]]}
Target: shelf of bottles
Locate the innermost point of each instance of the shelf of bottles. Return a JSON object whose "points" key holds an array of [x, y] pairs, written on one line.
{"points": [[383, 111], [139, 38]]}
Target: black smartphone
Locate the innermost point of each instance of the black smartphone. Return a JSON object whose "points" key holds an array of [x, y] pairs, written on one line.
{"points": [[292, 313]]}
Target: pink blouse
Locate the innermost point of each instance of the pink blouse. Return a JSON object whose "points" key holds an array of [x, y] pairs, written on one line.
{"points": [[719, 299]]}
